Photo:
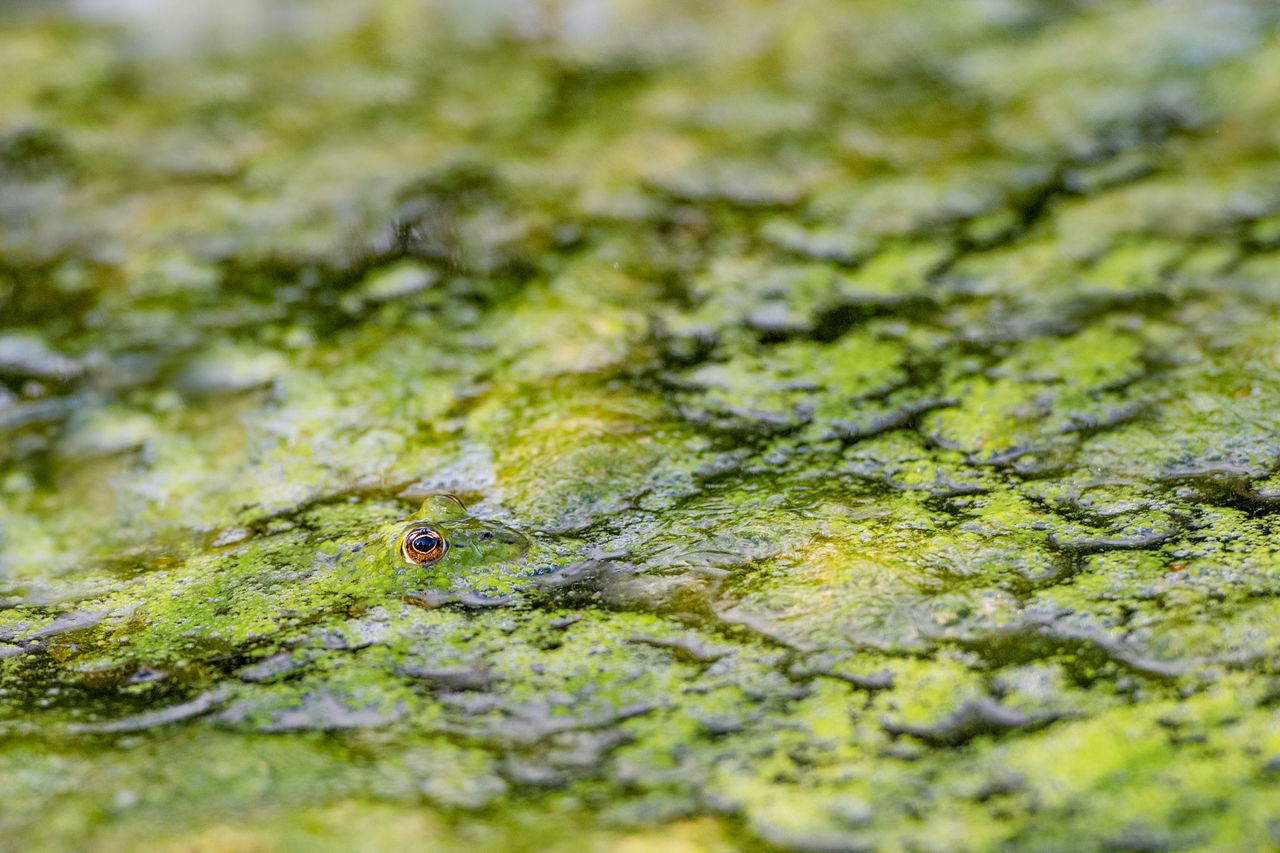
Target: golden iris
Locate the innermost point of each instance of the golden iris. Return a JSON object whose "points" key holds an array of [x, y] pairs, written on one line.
{"points": [[423, 545]]}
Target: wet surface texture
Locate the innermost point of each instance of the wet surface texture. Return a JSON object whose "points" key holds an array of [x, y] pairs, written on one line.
{"points": [[888, 398]]}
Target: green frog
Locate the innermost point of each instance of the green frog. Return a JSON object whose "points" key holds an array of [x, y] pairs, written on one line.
{"points": [[440, 554]]}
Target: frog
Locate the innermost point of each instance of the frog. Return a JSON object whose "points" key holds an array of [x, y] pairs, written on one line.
{"points": [[439, 554]]}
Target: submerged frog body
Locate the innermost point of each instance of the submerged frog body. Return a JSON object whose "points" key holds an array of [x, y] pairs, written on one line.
{"points": [[442, 550]]}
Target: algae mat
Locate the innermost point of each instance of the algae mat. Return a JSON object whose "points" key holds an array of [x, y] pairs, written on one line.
{"points": [[887, 391]]}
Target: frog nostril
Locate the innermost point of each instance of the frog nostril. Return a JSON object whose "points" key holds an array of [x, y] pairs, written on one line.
{"points": [[487, 535]]}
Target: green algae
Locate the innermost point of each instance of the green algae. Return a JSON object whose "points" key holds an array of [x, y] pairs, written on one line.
{"points": [[887, 396]]}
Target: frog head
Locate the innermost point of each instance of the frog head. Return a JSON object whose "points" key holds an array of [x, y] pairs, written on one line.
{"points": [[442, 534], [440, 549]]}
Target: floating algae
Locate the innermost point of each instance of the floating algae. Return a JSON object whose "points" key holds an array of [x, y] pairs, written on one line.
{"points": [[887, 398]]}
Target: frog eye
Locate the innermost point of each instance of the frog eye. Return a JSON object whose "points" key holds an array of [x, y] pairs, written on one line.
{"points": [[423, 545]]}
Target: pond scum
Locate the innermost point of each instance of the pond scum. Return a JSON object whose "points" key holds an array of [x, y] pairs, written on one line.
{"points": [[888, 395]]}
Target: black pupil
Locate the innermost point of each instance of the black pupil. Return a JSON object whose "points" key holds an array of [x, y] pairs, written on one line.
{"points": [[425, 542]]}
